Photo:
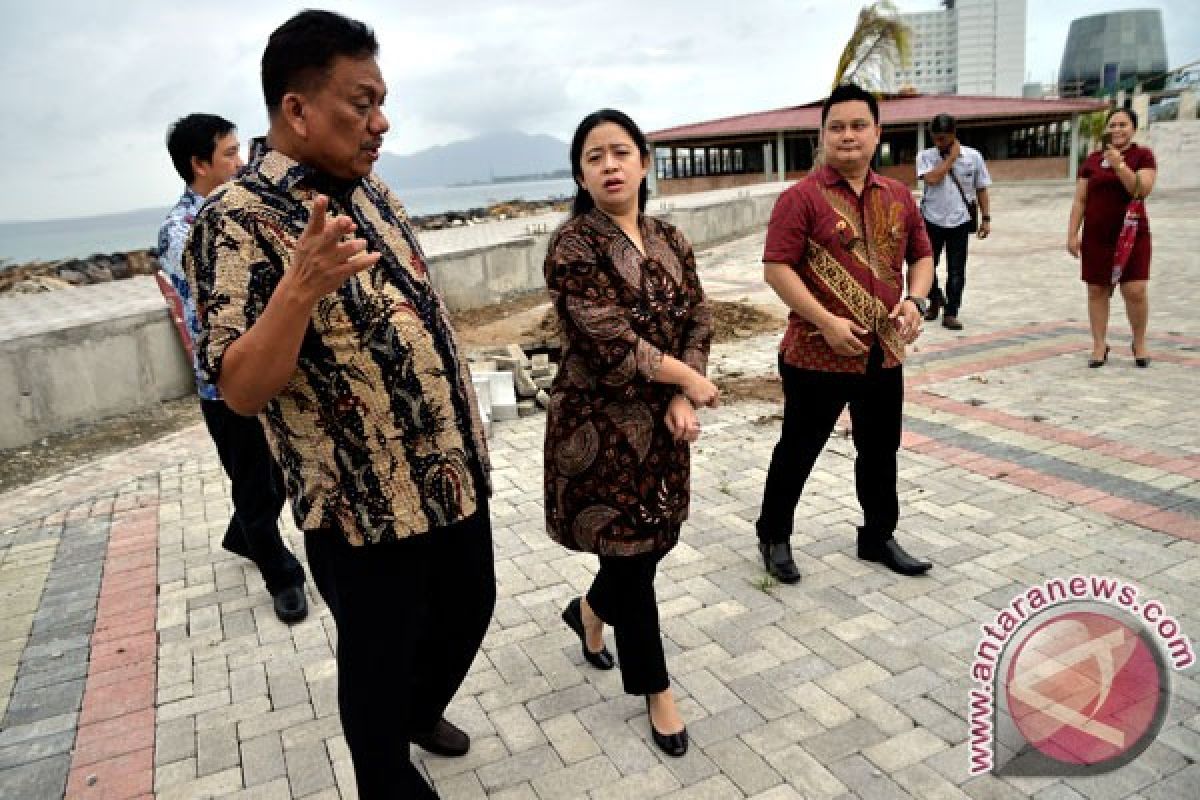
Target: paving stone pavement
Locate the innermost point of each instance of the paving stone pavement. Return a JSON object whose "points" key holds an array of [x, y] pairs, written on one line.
{"points": [[138, 659]]}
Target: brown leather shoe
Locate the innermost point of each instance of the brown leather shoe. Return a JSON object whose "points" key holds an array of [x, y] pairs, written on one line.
{"points": [[952, 323], [445, 739]]}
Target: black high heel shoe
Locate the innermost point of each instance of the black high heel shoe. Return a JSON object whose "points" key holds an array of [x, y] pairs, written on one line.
{"points": [[1100, 362], [673, 744], [573, 616], [1142, 362]]}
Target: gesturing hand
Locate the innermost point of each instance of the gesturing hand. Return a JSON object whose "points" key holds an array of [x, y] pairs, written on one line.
{"points": [[324, 258]]}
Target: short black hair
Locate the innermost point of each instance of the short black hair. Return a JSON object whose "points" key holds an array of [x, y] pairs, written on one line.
{"points": [[847, 92], [195, 135], [301, 51], [942, 123], [1123, 110], [584, 202]]}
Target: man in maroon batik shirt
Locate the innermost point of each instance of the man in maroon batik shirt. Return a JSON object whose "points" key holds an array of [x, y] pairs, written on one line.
{"points": [[835, 253]]}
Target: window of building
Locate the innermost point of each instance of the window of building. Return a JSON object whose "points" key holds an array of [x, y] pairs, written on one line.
{"points": [[664, 166], [738, 164], [714, 161], [698, 161], [726, 160], [683, 163]]}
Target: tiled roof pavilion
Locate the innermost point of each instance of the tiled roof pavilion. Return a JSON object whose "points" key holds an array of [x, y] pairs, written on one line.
{"points": [[893, 110], [1026, 138]]}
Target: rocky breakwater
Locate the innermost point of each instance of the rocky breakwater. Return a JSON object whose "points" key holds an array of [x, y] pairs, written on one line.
{"points": [[45, 276]]}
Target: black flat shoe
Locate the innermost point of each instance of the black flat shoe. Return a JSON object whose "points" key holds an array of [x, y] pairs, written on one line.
{"points": [[290, 604], [1093, 363], [446, 739], [777, 558], [1142, 362], [673, 744], [893, 556], [573, 616]]}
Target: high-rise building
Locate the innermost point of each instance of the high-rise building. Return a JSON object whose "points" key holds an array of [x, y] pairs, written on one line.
{"points": [[1111, 51], [970, 47]]}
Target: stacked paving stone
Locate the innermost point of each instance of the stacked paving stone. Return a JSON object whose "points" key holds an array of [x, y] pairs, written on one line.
{"points": [[510, 383]]}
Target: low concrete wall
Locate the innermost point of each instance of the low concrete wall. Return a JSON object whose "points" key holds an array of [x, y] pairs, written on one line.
{"points": [[113, 349], [54, 381], [478, 277]]}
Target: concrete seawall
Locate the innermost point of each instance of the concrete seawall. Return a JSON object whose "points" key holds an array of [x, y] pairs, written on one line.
{"points": [[80, 355]]}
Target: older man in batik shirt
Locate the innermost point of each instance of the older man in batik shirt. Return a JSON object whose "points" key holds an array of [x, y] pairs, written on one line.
{"points": [[318, 310]]}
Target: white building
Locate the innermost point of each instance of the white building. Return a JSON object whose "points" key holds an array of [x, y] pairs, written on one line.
{"points": [[970, 47]]}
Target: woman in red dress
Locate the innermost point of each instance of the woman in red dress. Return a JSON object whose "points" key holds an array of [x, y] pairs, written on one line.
{"points": [[1108, 180]]}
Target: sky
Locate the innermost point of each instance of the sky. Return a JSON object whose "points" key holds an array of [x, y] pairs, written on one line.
{"points": [[88, 89]]}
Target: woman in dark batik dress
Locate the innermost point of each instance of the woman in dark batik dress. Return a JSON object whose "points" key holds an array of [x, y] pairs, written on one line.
{"points": [[635, 333]]}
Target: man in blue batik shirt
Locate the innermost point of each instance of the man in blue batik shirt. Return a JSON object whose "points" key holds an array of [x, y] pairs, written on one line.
{"points": [[206, 153]]}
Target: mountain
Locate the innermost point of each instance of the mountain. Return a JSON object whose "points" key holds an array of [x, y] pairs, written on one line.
{"points": [[491, 155]]}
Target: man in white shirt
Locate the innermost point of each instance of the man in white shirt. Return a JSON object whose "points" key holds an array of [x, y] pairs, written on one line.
{"points": [[956, 179]]}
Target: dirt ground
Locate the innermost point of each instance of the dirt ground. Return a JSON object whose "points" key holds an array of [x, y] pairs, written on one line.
{"points": [[54, 454], [530, 322], [527, 320]]}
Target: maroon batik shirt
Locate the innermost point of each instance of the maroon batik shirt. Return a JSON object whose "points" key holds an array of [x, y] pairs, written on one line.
{"points": [[849, 250]]}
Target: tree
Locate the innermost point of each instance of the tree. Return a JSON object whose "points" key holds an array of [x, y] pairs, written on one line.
{"points": [[879, 43]]}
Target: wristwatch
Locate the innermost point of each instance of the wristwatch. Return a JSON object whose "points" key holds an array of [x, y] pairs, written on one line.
{"points": [[921, 303]]}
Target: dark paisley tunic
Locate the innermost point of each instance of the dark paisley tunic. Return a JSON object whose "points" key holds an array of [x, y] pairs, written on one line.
{"points": [[616, 482]]}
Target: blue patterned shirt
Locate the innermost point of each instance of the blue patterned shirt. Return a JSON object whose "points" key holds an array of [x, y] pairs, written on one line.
{"points": [[171, 238]]}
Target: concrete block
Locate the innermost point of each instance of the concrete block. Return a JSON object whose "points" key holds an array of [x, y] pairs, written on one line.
{"points": [[526, 408], [539, 361], [517, 354], [543, 399], [503, 395], [526, 386], [544, 382]]}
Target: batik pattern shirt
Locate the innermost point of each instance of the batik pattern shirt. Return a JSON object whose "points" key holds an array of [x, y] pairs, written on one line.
{"points": [[616, 481], [849, 250], [377, 431], [171, 238]]}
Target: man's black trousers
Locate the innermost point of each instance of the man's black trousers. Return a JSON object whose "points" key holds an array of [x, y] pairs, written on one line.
{"points": [[954, 240], [813, 400], [256, 485], [410, 615]]}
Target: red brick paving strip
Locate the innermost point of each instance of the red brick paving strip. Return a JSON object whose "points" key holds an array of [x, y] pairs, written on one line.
{"points": [[113, 757], [1141, 514]]}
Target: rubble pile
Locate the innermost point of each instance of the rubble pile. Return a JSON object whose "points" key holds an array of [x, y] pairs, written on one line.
{"points": [[511, 383]]}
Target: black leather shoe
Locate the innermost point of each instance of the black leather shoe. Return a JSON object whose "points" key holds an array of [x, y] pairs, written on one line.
{"points": [[290, 604], [673, 744], [777, 558], [573, 616], [935, 308], [445, 739], [952, 323], [1142, 362], [892, 556]]}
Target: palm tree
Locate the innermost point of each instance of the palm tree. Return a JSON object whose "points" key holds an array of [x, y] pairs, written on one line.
{"points": [[879, 40]]}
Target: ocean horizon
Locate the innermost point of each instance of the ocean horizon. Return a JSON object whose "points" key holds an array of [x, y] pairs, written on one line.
{"points": [[79, 237]]}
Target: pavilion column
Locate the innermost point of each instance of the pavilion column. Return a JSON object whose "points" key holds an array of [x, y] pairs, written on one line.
{"points": [[1073, 159], [782, 162]]}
